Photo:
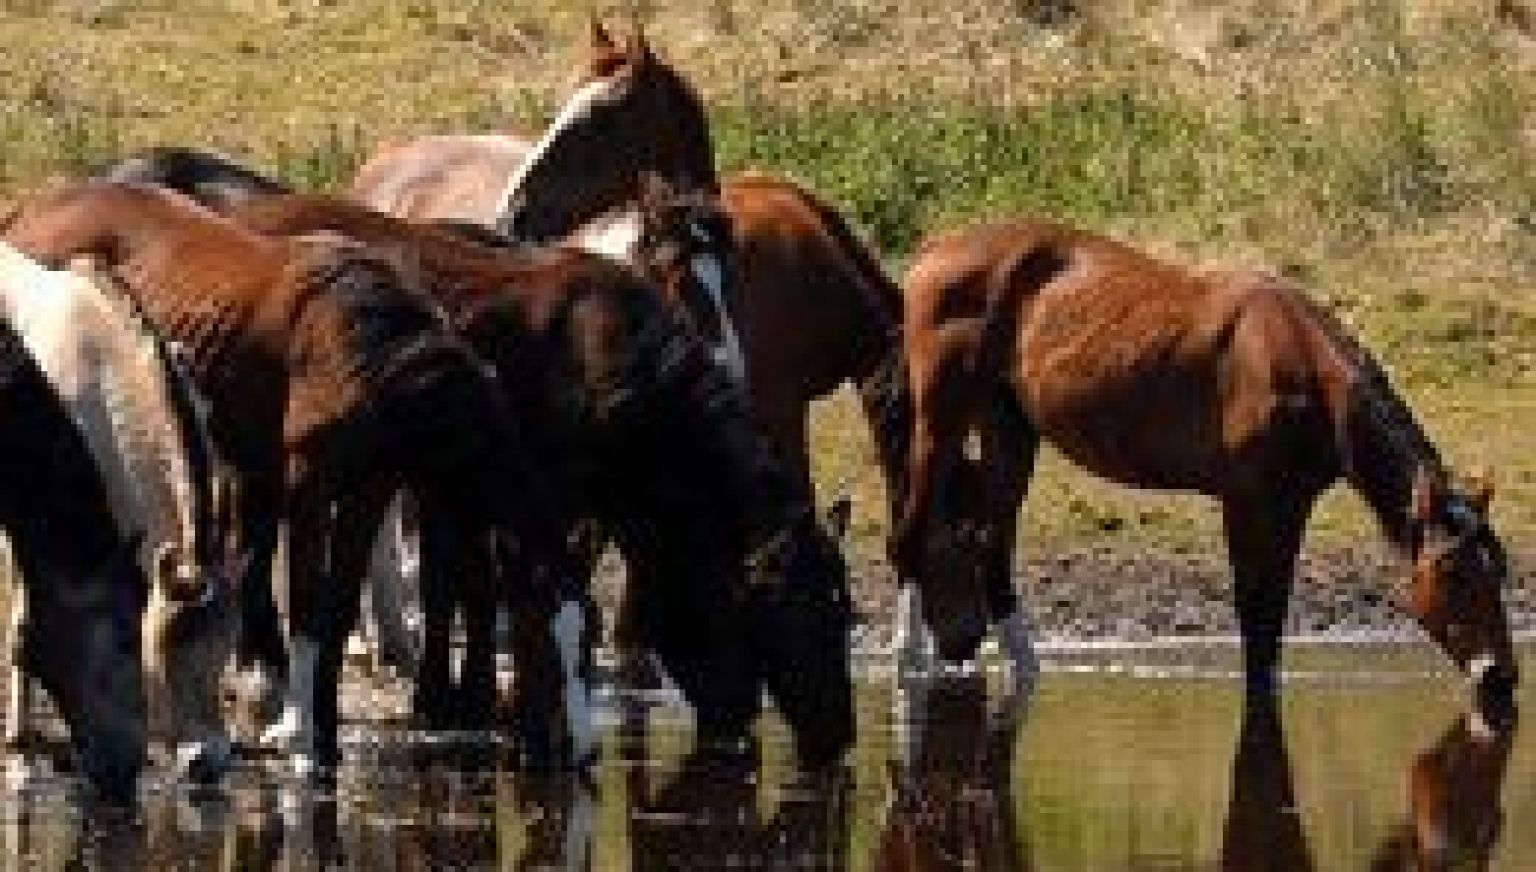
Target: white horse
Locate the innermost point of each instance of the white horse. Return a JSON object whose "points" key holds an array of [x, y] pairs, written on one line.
{"points": [[146, 430]]}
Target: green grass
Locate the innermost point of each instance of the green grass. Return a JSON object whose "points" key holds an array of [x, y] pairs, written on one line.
{"points": [[1379, 152]]}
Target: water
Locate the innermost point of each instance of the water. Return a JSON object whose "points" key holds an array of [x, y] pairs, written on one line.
{"points": [[1122, 763]]}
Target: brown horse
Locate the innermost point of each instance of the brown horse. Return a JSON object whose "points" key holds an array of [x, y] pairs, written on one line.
{"points": [[1231, 385], [331, 383], [650, 438]]}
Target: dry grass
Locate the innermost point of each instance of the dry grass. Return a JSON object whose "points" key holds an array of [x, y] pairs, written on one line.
{"points": [[1382, 152]]}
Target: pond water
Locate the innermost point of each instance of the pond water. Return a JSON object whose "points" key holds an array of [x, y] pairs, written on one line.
{"points": [[1125, 761]]}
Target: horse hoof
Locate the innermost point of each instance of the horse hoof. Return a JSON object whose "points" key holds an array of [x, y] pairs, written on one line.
{"points": [[205, 763]]}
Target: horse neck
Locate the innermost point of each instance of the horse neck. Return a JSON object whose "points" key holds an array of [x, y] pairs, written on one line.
{"points": [[1383, 448]]}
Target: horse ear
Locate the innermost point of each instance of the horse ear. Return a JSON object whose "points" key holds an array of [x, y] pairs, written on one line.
{"points": [[639, 48], [655, 191], [1481, 493], [602, 42], [1423, 496]]}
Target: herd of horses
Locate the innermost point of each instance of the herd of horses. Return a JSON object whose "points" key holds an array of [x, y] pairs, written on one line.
{"points": [[592, 338]]}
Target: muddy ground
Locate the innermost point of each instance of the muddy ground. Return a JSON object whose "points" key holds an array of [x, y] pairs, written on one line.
{"points": [[1103, 592]]}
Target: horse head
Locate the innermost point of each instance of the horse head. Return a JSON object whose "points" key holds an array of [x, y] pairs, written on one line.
{"points": [[949, 562], [686, 247], [800, 617], [1458, 568], [631, 112]]}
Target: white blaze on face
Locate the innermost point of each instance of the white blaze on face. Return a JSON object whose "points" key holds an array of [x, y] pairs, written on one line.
{"points": [[111, 379], [574, 111], [617, 237], [569, 628]]}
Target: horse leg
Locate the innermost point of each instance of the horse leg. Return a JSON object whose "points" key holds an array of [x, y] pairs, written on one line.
{"points": [[1263, 540], [261, 655], [20, 729], [328, 546], [475, 592], [432, 697], [388, 595], [553, 626], [1009, 446]]}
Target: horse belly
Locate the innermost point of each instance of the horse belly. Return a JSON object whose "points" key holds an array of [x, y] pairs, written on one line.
{"points": [[1147, 432]]}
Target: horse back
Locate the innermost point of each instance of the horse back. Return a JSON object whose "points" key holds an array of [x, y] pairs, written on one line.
{"points": [[809, 285], [440, 178], [1142, 371]]}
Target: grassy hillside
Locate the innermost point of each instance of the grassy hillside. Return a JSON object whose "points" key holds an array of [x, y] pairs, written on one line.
{"points": [[1384, 153]]}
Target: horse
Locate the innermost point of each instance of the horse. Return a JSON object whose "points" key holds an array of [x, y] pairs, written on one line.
{"points": [[676, 235], [650, 438], [147, 431], [1230, 384], [83, 585], [1453, 790], [631, 113], [811, 305], [332, 383]]}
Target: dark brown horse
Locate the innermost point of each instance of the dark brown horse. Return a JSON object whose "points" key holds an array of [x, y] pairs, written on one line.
{"points": [[332, 383], [651, 439], [1231, 385]]}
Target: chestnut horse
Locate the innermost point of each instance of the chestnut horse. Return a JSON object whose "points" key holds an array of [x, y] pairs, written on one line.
{"points": [[650, 439], [147, 431], [1231, 385], [332, 382]]}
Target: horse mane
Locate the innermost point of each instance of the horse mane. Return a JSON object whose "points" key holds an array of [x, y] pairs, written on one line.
{"points": [[1381, 444]]}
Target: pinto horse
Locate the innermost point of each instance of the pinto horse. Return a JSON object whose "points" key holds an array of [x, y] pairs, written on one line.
{"points": [[633, 124], [1231, 385], [332, 382], [147, 431], [651, 439], [631, 113]]}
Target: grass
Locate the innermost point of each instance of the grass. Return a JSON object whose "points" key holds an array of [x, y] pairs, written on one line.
{"points": [[1380, 152]]}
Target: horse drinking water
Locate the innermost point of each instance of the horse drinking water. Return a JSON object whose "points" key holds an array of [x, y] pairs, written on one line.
{"points": [[1231, 385], [332, 382], [146, 431]]}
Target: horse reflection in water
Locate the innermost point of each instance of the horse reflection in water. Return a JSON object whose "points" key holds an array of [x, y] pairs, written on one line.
{"points": [[1453, 819], [953, 787]]}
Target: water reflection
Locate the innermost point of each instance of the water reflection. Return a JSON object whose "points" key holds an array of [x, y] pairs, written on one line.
{"points": [[1453, 818], [714, 813], [952, 784], [1111, 775]]}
